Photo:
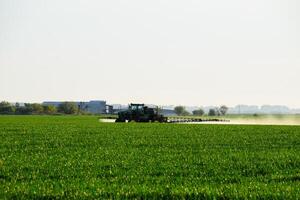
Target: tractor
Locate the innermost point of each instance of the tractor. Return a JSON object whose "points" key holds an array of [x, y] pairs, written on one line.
{"points": [[140, 113]]}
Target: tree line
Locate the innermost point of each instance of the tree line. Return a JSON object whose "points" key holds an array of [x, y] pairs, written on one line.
{"points": [[217, 111], [36, 108], [73, 108]]}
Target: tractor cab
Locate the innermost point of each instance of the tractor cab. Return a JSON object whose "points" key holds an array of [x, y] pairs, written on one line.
{"points": [[137, 111]]}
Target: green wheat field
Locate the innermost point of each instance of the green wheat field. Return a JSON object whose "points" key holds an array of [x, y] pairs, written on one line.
{"points": [[77, 157]]}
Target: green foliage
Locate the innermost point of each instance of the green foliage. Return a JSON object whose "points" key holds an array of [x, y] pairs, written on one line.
{"points": [[37, 108], [49, 109], [68, 108], [24, 110], [185, 113], [76, 157], [180, 110], [223, 110], [27, 109], [198, 112], [6, 108], [212, 112]]}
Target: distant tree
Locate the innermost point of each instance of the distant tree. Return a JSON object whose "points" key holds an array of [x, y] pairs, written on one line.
{"points": [[212, 112], [223, 109], [28, 108], [6, 108], [159, 109], [37, 108], [180, 110], [24, 110], [186, 113], [49, 109], [19, 110], [198, 112], [68, 108]]}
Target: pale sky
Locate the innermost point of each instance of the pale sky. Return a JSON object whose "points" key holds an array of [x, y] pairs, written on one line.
{"points": [[192, 52]]}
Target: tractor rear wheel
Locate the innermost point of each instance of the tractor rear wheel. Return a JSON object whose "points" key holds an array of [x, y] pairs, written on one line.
{"points": [[119, 120]]}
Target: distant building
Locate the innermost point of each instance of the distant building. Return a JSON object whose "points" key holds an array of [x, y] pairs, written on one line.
{"points": [[109, 109], [276, 109], [168, 112], [119, 107], [244, 109], [265, 109], [94, 107]]}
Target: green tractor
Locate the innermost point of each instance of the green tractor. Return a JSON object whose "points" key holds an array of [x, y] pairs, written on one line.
{"points": [[140, 113]]}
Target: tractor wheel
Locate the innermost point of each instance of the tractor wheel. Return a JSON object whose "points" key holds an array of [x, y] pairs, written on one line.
{"points": [[119, 120], [162, 120]]}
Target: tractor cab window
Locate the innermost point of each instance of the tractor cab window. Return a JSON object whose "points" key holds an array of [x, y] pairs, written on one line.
{"points": [[137, 107], [134, 107]]}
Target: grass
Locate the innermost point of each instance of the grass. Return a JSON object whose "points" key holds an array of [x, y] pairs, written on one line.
{"points": [[76, 157]]}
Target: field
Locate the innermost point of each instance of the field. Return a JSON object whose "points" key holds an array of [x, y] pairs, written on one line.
{"points": [[76, 157]]}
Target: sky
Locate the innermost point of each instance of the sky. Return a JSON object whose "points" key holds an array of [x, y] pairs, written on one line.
{"points": [[165, 52]]}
